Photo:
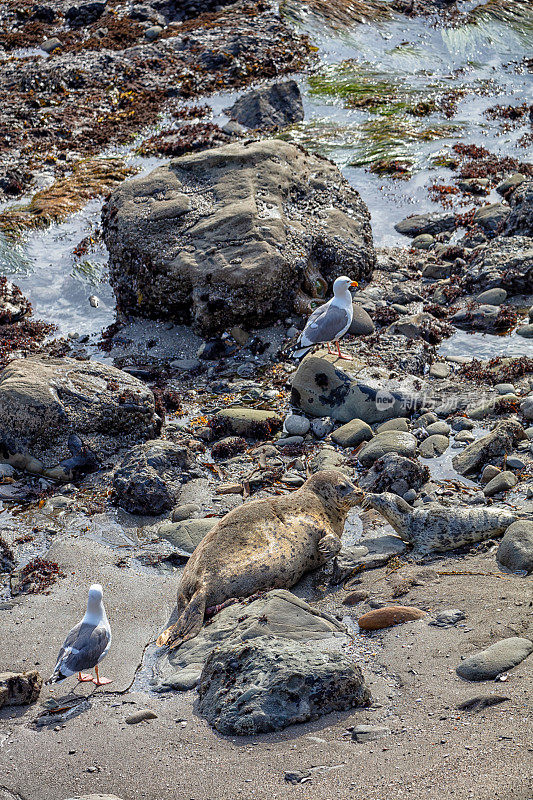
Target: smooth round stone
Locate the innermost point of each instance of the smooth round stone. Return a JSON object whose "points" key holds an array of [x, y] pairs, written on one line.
{"points": [[426, 419], [489, 473], [399, 424], [515, 463], [493, 297], [505, 388], [7, 471], [410, 496], [185, 511], [526, 407], [526, 331], [296, 425], [465, 437], [516, 548], [352, 433], [49, 45], [388, 442], [499, 657], [434, 446], [423, 242], [440, 427], [500, 483], [462, 424], [403, 310], [322, 426], [529, 433], [362, 322], [153, 33], [440, 370]]}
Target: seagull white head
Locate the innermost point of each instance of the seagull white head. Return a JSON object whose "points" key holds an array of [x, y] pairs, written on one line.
{"points": [[342, 285], [96, 594]]}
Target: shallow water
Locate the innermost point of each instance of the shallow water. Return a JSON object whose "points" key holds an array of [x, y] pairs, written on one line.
{"points": [[485, 345], [401, 62]]}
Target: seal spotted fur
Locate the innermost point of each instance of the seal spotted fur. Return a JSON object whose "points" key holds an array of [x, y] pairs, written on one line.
{"points": [[263, 544], [433, 528]]}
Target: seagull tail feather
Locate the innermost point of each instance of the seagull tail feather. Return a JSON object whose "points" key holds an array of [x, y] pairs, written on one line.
{"points": [[302, 351], [55, 677]]}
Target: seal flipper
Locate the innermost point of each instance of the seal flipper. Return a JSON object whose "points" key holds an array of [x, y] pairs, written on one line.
{"points": [[328, 547], [189, 623]]}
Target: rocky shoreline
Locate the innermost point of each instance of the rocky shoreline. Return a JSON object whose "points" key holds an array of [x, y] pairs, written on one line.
{"points": [[120, 455]]}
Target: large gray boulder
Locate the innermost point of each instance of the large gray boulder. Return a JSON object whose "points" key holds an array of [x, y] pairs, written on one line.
{"points": [[240, 232], [496, 443], [269, 107], [268, 683], [520, 220], [278, 613], [516, 548], [322, 390], [149, 479], [46, 402]]}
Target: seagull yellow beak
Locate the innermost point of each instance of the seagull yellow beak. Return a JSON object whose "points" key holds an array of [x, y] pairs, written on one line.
{"points": [[354, 283]]}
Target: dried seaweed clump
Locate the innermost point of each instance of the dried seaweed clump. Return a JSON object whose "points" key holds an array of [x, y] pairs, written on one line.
{"points": [[497, 370], [186, 139], [7, 557], [38, 576], [90, 178], [229, 447]]}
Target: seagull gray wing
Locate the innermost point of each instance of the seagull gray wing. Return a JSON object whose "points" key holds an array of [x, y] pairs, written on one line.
{"points": [[325, 324], [84, 647]]}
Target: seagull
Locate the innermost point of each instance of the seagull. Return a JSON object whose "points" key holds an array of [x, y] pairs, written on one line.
{"points": [[86, 644], [329, 322]]}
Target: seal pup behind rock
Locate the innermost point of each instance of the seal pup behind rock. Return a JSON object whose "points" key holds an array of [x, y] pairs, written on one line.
{"points": [[433, 528], [263, 544]]}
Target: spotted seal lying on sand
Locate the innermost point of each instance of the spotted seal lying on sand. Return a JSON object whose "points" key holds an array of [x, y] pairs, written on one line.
{"points": [[433, 528], [263, 544]]}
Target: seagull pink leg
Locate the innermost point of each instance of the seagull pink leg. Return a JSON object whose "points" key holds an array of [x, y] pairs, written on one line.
{"points": [[346, 358], [329, 349], [83, 678], [100, 681]]}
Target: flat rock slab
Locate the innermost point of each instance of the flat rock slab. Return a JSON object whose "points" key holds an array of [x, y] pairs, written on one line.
{"points": [[226, 235], [186, 535], [278, 613], [45, 400], [497, 658], [268, 683], [368, 733]]}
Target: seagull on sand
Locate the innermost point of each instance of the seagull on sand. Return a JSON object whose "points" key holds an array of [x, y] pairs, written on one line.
{"points": [[86, 644], [329, 322]]}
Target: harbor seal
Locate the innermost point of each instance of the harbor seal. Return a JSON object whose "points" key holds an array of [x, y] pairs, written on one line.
{"points": [[263, 544], [433, 528]]}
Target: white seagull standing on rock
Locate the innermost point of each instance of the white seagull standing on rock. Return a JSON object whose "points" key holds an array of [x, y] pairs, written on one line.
{"points": [[329, 322], [86, 644]]}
